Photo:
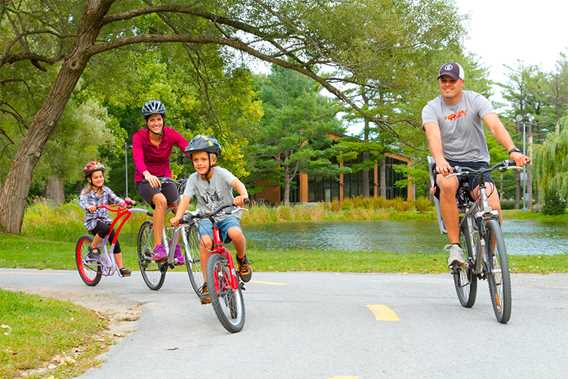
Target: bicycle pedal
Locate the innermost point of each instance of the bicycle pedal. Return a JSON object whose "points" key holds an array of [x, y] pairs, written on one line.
{"points": [[242, 286]]}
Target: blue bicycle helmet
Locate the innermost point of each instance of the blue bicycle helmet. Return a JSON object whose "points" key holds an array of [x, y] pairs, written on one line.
{"points": [[153, 106]]}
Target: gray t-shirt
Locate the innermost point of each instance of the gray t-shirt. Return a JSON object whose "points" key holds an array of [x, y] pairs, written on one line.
{"points": [[460, 126], [211, 194]]}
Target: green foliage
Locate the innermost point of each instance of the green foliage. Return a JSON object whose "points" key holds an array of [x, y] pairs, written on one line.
{"points": [[553, 203], [295, 133], [551, 161]]}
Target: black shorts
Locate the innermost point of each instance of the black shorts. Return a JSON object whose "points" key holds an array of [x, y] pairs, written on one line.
{"points": [[102, 230], [169, 190], [473, 181]]}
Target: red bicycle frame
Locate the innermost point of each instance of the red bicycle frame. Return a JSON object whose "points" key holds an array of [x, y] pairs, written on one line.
{"points": [[219, 248], [121, 213]]}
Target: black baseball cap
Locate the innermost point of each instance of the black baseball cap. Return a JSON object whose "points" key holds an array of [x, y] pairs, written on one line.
{"points": [[453, 70]]}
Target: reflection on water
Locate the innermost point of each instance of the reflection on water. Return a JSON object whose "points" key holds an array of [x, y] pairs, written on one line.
{"points": [[522, 237]]}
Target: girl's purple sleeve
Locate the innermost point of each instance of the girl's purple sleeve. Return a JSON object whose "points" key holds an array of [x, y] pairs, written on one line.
{"points": [[83, 201]]}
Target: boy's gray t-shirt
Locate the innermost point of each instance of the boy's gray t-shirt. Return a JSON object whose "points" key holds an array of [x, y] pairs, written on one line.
{"points": [[460, 125], [212, 194]]}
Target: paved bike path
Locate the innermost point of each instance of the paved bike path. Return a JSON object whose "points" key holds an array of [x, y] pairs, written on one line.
{"points": [[321, 325]]}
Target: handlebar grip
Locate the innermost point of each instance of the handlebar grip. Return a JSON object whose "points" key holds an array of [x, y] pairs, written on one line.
{"points": [[511, 163]]}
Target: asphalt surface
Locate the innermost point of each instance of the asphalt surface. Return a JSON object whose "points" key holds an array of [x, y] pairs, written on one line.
{"points": [[326, 325]]}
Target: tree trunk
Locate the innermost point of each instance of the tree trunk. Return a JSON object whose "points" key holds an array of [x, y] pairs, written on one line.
{"points": [[365, 173], [286, 186], [17, 184], [54, 190]]}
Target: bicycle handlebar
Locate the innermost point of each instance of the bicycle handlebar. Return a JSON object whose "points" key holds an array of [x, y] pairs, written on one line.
{"points": [[466, 171], [188, 217]]}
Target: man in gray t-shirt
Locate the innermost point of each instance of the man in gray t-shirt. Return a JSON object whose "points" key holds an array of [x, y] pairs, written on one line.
{"points": [[453, 126]]}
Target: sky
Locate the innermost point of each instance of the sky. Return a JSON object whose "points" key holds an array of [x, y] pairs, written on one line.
{"points": [[502, 32]]}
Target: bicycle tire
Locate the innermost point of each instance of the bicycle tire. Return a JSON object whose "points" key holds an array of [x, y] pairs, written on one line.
{"points": [[89, 271], [228, 304], [193, 259], [498, 276], [152, 272], [465, 279]]}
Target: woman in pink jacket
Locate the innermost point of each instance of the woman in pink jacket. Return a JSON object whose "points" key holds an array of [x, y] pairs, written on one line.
{"points": [[151, 150]]}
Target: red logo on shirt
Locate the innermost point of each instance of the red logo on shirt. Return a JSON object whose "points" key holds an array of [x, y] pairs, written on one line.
{"points": [[457, 115]]}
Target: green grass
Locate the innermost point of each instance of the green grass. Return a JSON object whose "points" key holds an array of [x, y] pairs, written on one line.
{"points": [[33, 330], [517, 214], [27, 252]]}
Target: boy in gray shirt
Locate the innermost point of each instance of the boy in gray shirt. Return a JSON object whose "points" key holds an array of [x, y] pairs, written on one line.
{"points": [[213, 187]]}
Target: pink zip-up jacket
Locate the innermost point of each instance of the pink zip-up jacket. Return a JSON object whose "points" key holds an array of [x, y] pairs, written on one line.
{"points": [[155, 159]]}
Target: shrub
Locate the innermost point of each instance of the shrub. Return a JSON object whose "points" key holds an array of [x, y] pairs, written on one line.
{"points": [[423, 204], [553, 203]]}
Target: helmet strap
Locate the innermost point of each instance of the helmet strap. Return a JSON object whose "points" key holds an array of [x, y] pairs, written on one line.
{"points": [[208, 174]]}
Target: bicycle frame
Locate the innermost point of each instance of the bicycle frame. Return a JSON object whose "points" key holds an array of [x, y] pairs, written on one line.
{"points": [[107, 261], [479, 211], [219, 248]]}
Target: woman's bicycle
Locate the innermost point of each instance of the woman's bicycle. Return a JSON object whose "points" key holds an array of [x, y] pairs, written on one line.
{"points": [[92, 268], [154, 273], [223, 283], [484, 247]]}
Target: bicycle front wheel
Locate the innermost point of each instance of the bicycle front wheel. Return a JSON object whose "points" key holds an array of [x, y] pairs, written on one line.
{"points": [[498, 276], [89, 268], [193, 259], [227, 302], [465, 279], [152, 272]]}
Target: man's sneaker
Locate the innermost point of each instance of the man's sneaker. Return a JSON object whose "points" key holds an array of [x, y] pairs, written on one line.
{"points": [[244, 268], [178, 256], [204, 297], [93, 254], [455, 255], [159, 253], [125, 272]]}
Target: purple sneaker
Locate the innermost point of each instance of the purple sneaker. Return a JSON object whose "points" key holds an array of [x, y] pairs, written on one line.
{"points": [[178, 256], [159, 253]]}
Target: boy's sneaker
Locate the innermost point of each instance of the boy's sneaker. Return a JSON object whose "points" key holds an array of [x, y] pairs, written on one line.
{"points": [[178, 256], [455, 255], [159, 253], [244, 268], [125, 272], [93, 254], [204, 297]]}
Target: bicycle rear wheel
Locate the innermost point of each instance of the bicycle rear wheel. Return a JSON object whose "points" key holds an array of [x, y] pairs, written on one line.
{"points": [[193, 259], [498, 275], [152, 272], [227, 302], [465, 279], [89, 269]]}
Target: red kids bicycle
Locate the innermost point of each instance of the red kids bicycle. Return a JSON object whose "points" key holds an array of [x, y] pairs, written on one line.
{"points": [[223, 282], [92, 269]]}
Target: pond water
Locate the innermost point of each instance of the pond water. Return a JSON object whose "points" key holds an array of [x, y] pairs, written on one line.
{"points": [[522, 237]]}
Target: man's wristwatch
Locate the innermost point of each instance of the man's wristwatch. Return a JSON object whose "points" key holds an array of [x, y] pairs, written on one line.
{"points": [[514, 150]]}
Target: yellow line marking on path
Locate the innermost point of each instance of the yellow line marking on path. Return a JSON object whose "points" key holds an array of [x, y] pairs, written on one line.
{"points": [[383, 313], [269, 283]]}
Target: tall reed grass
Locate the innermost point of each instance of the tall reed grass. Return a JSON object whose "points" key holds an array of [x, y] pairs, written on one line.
{"points": [[65, 222]]}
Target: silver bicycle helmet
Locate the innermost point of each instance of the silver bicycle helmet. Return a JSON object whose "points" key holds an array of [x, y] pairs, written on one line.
{"points": [[153, 106]]}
